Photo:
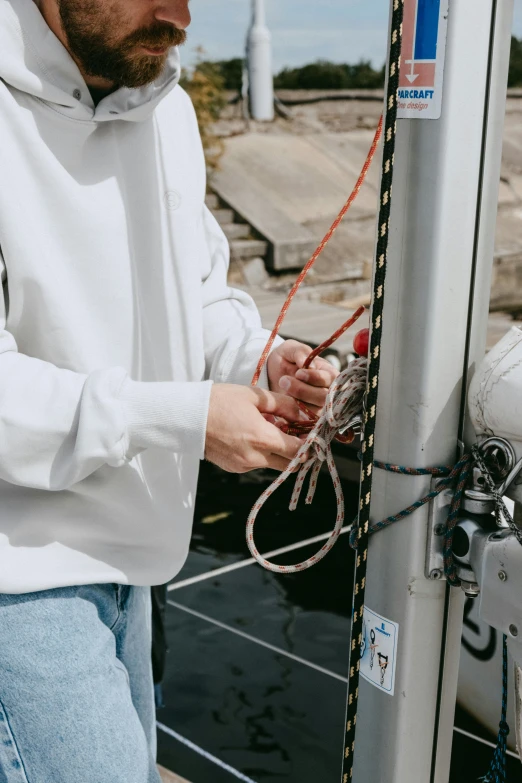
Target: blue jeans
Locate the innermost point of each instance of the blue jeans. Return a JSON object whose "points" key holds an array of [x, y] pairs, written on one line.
{"points": [[76, 691]]}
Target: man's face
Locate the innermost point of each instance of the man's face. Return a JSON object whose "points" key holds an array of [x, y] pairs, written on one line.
{"points": [[122, 41]]}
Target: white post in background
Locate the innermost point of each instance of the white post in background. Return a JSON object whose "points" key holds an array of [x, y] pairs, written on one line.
{"points": [[259, 56]]}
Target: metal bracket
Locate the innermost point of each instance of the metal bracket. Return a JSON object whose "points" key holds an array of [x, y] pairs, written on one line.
{"points": [[437, 516], [500, 564], [477, 502]]}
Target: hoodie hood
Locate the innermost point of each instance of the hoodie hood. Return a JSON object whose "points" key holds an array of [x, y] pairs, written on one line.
{"points": [[34, 61]]}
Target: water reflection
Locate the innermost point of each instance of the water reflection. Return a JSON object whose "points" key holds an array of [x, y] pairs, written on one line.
{"points": [[268, 716]]}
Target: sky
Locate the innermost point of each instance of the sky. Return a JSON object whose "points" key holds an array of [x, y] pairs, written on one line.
{"points": [[302, 30]]}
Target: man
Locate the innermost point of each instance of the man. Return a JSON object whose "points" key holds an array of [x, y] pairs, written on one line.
{"points": [[124, 360]]}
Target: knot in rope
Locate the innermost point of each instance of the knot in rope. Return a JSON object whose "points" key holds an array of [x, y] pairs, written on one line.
{"points": [[504, 729], [343, 404], [344, 400], [319, 445]]}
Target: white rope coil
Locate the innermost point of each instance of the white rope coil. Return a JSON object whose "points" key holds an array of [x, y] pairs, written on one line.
{"points": [[343, 403]]}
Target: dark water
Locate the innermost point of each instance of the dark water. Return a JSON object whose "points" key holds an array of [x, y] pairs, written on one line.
{"points": [[266, 715]]}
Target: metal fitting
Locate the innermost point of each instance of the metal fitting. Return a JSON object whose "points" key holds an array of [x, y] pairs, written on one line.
{"points": [[500, 456], [477, 502], [471, 589]]}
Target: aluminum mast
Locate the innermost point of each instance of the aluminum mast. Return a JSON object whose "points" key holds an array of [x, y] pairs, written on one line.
{"points": [[445, 193]]}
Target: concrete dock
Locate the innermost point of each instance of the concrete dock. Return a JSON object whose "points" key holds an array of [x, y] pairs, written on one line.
{"points": [[288, 179], [312, 322]]}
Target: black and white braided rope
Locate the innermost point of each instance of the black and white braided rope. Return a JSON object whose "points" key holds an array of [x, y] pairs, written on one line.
{"points": [[372, 390]]}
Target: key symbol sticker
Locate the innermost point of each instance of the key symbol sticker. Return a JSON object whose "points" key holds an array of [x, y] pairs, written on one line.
{"points": [[383, 663], [373, 647]]}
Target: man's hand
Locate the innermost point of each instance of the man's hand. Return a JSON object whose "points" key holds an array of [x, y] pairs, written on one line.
{"points": [[285, 374], [240, 438]]}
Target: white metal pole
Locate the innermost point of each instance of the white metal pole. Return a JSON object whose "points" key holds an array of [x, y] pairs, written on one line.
{"points": [[444, 202], [259, 54]]}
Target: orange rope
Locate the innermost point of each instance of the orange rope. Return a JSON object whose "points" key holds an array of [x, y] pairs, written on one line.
{"points": [[311, 262]]}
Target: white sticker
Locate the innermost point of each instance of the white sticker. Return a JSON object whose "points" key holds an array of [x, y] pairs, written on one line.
{"points": [[379, 651], [424, 33]]}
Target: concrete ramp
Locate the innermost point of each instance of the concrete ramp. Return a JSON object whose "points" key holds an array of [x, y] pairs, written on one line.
{"points": [[290, 188]]}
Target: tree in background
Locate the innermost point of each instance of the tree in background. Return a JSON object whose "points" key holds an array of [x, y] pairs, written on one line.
{"points": [[324, 75], [208, 81], [515, 63], [206, 87], [229, 71], [316, 76], [232, 73]]}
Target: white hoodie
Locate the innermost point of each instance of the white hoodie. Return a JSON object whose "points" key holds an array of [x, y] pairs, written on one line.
{"points": [[114, 321]]}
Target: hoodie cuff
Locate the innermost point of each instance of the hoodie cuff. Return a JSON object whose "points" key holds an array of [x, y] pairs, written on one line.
{"points": [[166, 415]]}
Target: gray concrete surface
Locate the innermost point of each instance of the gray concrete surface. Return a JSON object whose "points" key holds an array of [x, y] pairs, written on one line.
{"points": [[307, 321], [289, 188], [289, 179], [313, 322]]}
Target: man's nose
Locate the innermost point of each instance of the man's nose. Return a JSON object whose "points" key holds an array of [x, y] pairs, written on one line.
{"points": [[175, 12]]}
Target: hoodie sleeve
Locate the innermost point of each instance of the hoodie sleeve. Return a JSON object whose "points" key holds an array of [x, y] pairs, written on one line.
{"points": [[234, 337], [59, 426]]}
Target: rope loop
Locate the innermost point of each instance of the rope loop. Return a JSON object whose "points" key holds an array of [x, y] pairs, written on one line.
{"points": [[455, 477], [443, 470], [344, 401]]}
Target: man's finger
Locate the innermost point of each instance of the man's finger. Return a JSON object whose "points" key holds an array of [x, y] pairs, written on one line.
{"points": [[314, 395], [320, 378], [279, 443], [276, 404], [278, 463], [286, 367], [326, 366], [296, 353], [315, 409]]}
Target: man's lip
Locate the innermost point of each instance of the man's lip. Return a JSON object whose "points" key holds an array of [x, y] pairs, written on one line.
{"points": [[157, 51]]}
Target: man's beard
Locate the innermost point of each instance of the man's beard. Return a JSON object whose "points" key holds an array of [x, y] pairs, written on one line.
{"points": [[91, 29]]}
